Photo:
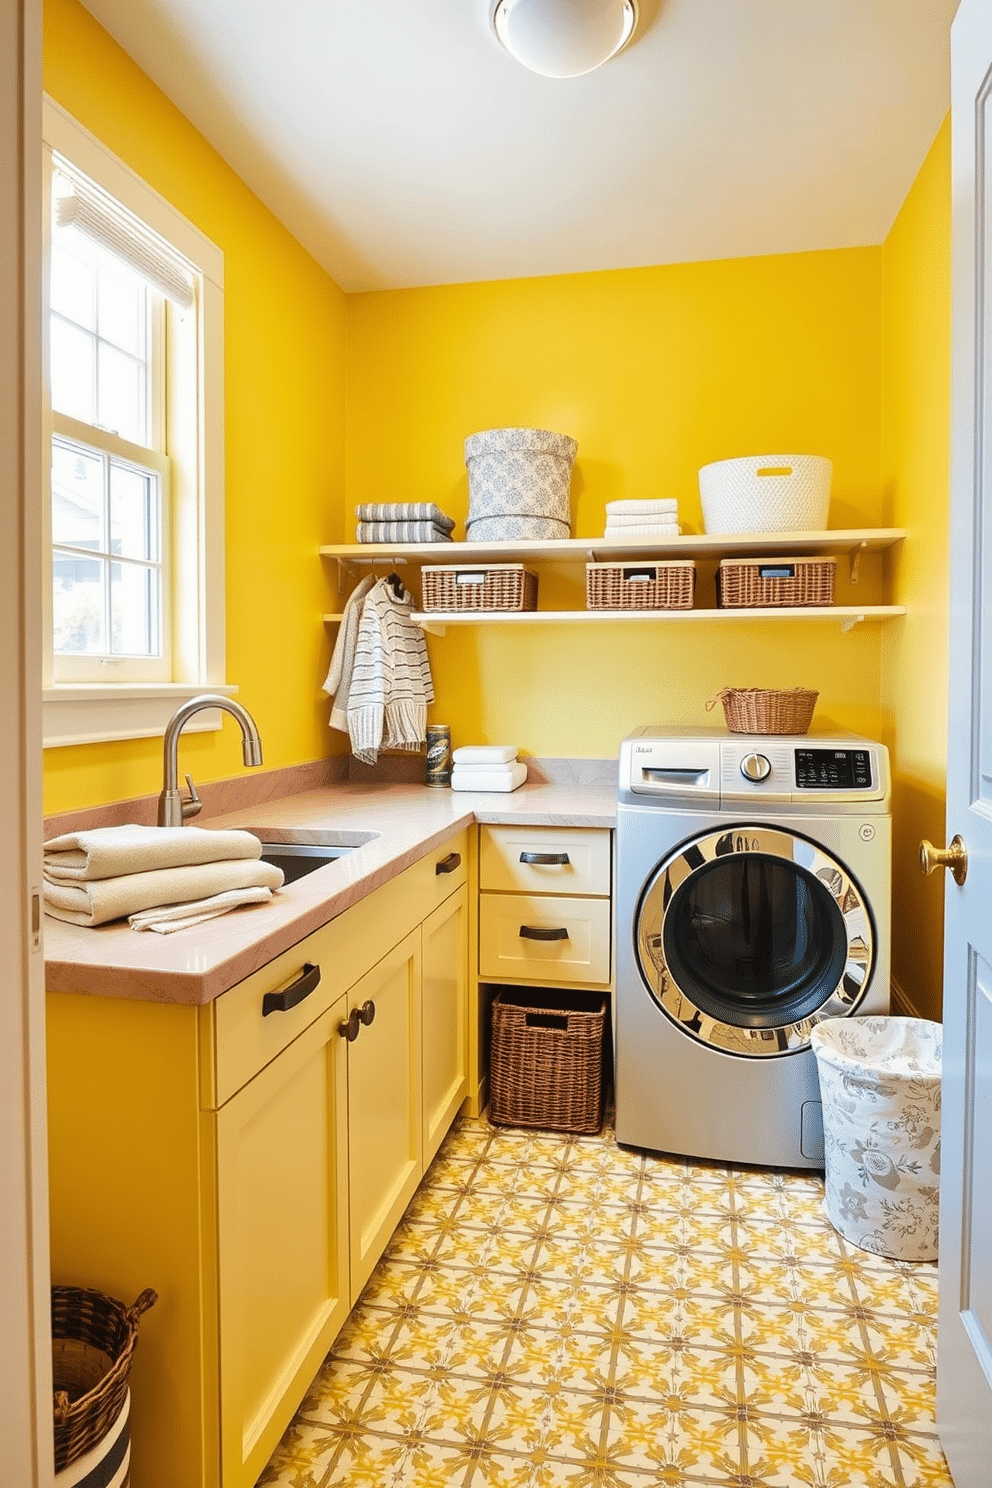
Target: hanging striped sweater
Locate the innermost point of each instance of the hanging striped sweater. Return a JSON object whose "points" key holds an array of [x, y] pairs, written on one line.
{"points": [[391, 683]]}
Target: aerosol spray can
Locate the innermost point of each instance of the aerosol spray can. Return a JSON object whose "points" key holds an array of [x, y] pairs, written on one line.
{"points": [[438, 754]]}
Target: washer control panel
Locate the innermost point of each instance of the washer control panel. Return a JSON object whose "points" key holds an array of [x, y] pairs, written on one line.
{"points": [[833, 769]]}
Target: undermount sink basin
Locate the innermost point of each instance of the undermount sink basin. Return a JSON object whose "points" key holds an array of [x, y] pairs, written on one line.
{"points": [[302, 851]]}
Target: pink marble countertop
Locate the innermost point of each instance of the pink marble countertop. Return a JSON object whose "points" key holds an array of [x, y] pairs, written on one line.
{"points": [[194, 966]]}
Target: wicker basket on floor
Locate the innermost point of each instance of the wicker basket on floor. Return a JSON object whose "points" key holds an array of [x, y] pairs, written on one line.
{"points": [[761, 710], [93, 1339], [546, 1066]]}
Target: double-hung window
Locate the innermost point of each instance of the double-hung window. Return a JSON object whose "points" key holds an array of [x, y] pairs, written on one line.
{"points": [[134, 520]]}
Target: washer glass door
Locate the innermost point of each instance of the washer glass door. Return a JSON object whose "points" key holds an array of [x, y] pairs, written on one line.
{"points": [[748, 937]]}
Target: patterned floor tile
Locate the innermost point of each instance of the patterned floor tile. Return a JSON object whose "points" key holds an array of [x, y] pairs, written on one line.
{"points": [[562, 1312]]}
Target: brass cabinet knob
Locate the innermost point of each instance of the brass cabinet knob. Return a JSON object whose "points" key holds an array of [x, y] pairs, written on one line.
{"points": [[954, 857]]}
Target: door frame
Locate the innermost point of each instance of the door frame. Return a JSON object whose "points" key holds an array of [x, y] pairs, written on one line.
{"points": [[25, 1328]]}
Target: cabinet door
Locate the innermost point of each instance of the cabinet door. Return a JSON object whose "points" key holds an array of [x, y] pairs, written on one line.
{"points": [[385, 1142], [279, 1147], [445, 995]]}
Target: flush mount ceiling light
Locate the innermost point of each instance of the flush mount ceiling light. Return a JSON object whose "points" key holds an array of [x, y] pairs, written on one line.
{"points": [[564, 38]]}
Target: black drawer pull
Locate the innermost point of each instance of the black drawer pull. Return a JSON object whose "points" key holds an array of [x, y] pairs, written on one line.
{"points": [[352, 1025], [543, 932], [293, 995], [554, 859], [448, 864]]}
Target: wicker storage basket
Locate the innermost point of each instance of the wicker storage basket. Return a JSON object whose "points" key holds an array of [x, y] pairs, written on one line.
{"points": [[546, 1066], [496, 586], [748, 582], [760, 710], [93, 1339], [640, 586]]}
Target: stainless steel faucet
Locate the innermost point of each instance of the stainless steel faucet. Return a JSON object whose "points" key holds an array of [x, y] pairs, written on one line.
{"points": [[173, 809]]}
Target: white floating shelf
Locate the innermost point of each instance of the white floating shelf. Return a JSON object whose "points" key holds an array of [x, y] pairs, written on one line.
{"points": [[847, 616]]}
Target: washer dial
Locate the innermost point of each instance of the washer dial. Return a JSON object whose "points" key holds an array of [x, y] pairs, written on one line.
{"points": [[756, 767]]}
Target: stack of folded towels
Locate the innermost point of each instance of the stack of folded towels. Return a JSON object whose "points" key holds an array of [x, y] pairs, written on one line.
{"points": [[402, 522], [657, 519], [161, 878], [487, 767]]}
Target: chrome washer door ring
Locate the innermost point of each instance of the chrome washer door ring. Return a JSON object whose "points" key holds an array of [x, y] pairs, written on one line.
{"points": [[748, 937]]}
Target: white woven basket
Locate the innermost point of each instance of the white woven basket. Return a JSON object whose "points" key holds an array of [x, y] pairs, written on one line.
{"points": [[766, 493]]}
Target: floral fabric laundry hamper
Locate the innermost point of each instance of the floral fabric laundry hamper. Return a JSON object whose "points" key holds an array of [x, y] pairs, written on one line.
{"points": [[880, 1084]]}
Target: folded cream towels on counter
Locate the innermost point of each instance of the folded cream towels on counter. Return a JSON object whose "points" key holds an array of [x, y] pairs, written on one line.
{"points": [[95, 901], [172, 917], [484, 754], [108, 852], [488, 778]]}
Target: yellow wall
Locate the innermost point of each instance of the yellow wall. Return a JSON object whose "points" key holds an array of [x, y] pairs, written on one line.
{"points": [[915, 447], [655, 372], [284, 391]]}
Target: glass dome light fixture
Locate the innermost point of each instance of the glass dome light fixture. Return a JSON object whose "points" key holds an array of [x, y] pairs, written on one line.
{"points": [[563, 38]]}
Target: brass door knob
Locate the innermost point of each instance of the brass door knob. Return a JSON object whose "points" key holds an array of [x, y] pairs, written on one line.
{"points": [[954, 857]]}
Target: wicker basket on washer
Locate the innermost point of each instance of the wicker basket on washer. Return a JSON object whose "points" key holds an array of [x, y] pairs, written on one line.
{"points": [[743, 583], [494, 586], [93, 1339], [546, 1067], [766, 710], [640, 586]]}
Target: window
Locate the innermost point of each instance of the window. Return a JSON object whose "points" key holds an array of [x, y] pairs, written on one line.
{"points": [[134, 517]]}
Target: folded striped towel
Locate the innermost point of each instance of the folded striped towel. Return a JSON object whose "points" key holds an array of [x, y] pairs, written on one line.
{"points": [[644, 508], [172, 917], [401, 532], [496, 778], [108, 852], [103, 899], [484, 755], [404, 511]]}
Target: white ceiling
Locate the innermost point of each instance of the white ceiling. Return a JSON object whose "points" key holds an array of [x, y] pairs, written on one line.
{"points": [[402, 146]]}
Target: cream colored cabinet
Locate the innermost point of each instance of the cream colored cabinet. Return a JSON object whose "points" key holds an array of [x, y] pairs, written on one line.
{"points": [[545, 909], [385, 1135], [278, 1147], [249, 1161], [445, 1018]]}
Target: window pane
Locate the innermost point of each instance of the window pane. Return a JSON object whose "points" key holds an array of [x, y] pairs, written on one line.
{"points": [[78, 587], [73, 375], [72, 288], [121, 401], [134, 608], [134, 508], [77, 497], [121, 308]]}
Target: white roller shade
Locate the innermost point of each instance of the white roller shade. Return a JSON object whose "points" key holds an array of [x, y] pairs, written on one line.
{"points": [[85, 207]]}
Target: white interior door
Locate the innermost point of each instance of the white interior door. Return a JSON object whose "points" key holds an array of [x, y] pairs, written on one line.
{"points": [[25, 1337], [964, 1357]]}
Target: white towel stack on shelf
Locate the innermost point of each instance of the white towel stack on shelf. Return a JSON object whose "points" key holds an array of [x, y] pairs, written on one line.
{"points": [[487, 767], [402, 522], [161, 878], [628, 519]]}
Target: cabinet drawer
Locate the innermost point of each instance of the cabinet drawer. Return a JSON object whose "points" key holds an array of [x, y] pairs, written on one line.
{"points": [[577, 860], [507, 951], [238, 1039]]}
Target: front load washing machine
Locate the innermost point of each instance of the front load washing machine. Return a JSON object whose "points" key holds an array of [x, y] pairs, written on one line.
{"points": [[753, 888]]}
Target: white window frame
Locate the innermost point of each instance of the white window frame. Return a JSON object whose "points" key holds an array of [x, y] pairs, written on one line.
{"points": [[91, 712]]}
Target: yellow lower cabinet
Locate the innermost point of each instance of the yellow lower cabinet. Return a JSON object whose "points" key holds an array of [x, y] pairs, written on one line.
{"points": [[279, 1147], [385, 1141], [445, 1014]]}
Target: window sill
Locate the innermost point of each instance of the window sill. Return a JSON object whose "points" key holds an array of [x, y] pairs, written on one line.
{"points": [[95, 713]]}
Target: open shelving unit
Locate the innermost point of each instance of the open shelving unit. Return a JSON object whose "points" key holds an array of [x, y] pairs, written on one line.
{"points": [[577, 551]]}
